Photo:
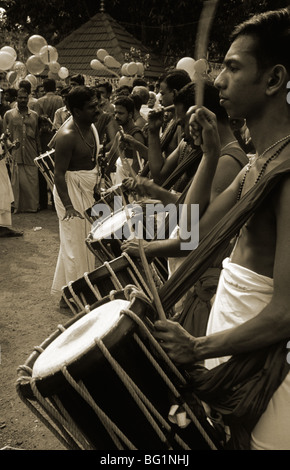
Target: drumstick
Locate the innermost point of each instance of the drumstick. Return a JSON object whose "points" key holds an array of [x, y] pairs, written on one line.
{"points": [[126, 211], [151, 283], [139, 160], [203, 30], [124, 160]]}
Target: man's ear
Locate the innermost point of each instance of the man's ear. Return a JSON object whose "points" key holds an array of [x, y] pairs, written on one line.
{"points": [[276, 79]]}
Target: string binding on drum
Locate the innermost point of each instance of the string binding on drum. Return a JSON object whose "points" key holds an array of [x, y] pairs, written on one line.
{"points": [[70, 435]]}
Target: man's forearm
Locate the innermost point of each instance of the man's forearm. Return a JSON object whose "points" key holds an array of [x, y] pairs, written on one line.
{"points": [[165, 196], [155, 158], [168, 248], [261, 331], [199, 192], [62, 190]]}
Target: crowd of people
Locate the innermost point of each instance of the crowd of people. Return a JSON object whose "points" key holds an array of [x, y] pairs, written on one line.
{"points": [[217, 156]]}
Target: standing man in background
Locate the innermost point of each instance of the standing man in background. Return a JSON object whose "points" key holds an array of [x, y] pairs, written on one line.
{"points": [[50, 102], [22, 125], [76, 176]]}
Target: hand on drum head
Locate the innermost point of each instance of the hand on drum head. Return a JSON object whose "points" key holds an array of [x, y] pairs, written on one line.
{"points": [[129, 183], [176, 342], [70, 213]]}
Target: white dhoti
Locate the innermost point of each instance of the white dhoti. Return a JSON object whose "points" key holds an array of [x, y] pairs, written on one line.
{"points": [[241, 295], [6, 196], [74, 257]]}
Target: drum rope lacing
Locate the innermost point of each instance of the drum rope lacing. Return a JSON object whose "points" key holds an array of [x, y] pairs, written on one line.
{"points": [[66, 425], [133, 271], [68, 442], [173, 368]]}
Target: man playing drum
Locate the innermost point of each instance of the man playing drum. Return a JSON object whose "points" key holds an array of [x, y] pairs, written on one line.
{"points": [[251, 308], [76, 175]]}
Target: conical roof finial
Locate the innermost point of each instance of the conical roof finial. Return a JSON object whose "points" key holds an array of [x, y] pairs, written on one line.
{"points": [[102, 6]]}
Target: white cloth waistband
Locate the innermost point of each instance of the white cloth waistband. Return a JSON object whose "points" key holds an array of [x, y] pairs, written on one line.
{"points": [[240, 296]]}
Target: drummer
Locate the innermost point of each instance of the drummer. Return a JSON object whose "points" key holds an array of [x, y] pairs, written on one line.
{"points": [[231, 161], [76, 176]]}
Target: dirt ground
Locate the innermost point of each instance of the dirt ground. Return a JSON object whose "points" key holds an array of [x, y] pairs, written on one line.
{"points": [[28, 315]]}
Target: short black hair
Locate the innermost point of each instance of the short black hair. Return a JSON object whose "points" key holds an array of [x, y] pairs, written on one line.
{"points": [[12, 93], [271, 30], [123, 87], [176, 79], [139, 82], [186, 96], [126, 102], [65, 91], [25, 84], [78, 96], [143, 92], [78, 78], [107, 86], [49, 84], [137, 101]]}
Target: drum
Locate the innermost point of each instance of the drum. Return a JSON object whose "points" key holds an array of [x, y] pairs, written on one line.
{"points": [[106, 237], [45, 163], [113, 275], [112, 198], [102, 382]]}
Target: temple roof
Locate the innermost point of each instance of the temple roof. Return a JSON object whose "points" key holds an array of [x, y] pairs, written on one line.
{"points": [[102, 32]]}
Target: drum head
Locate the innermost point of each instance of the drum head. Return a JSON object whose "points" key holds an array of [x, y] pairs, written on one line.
{"points": [[112, 225], [79, 338]]}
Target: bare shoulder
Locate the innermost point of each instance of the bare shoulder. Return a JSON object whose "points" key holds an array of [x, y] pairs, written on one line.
{"points": [[228, 170], [281, 194], [65, 136]]}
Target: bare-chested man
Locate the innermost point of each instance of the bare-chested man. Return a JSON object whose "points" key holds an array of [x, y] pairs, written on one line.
{"points": [[251, 309], [76, 175]]}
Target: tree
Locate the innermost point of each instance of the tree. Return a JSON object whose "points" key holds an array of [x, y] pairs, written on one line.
{"points": [[167, 27]]}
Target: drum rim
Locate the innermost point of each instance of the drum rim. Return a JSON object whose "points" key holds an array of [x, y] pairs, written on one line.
{"points": [[125, 326]]}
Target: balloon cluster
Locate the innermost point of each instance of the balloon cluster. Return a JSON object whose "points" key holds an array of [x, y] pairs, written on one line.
{"points": [[128, 70], [105, 61], [43, 55], [193, 67]]}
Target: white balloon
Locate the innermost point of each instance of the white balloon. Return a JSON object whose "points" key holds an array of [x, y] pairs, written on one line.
{"points": [[63, 73], [35, 43], [125, 81], [140, 68], [200, 66], [6, 60], [109, 61], [48, 54], [34, 65], [10, 50], [96, 64], [11, 76], [32, 79], [132, 68], [101, 54], [20, 68], [187, 64], [54, 66], [124, 69]]}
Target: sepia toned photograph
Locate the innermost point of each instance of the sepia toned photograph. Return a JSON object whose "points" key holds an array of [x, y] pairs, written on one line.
{"points": [[144, 228]]}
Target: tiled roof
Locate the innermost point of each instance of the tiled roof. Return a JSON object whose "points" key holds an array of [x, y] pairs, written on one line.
{"points": [[101, 32]]}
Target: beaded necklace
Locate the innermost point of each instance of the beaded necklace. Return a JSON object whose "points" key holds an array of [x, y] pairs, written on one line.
{"points": [[92, 147], [263, 169]]}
